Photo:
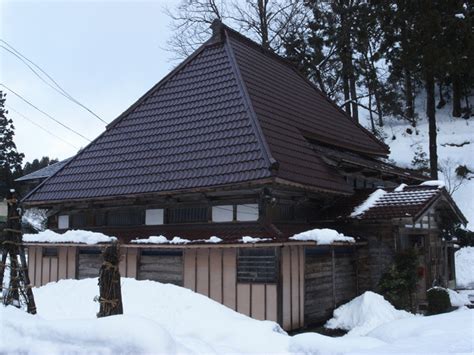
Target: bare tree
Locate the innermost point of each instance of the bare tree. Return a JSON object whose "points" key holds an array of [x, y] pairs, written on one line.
{"points": [[452, 176], [191, 21], [266, 21]]}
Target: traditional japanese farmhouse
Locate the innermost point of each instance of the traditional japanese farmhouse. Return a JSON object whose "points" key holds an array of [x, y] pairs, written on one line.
{"points": [[222, 163]]}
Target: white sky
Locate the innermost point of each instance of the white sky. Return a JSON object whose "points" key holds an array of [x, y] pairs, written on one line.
{"points": [[106, 54]]}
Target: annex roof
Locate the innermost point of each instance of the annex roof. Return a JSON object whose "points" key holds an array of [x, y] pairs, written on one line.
{"points": [[405, 201], [45, 172], [231, 113]]}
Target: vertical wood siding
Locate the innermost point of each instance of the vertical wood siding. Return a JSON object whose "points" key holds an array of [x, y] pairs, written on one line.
{"points": [[213, 273], [44, 269], [208, 271], [330, 280], [161, 265], [293, 286]]}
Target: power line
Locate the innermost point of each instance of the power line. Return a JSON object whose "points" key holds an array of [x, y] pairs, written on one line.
{"points": [[142, 167], [44, 113], [64, 93], [39, 126], [56, 87]]}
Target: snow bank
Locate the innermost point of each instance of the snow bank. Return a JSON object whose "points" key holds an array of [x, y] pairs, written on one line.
{"points": [[364, 313], [367, 204], [71, 236], [464, 261], [201, 324], [458, 299], [166, 319], [438, 183], [112, 335], [314, 343], [323, 236], [447, 333]]}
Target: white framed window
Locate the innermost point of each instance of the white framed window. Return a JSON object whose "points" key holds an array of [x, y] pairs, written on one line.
{"points": [[223, 213], [247, 212], [63, 221], [154, 217]]}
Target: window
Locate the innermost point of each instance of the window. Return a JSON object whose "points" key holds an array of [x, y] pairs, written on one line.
{"points": [[223, 213], [50, 252], [188, 214], [63, 222], [257, 265], [78, 220], [247, 212], [154, 217], [284, 212], [125, 217]]}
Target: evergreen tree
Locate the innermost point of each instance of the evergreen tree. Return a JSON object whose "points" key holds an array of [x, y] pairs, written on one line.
{"points": [[37, 164], [10, 159]]}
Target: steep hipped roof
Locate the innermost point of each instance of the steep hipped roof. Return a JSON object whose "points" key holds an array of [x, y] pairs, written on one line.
{"points": [[230, 113]]}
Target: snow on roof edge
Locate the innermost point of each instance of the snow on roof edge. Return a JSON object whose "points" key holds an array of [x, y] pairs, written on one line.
{"points": [[368, 203]]}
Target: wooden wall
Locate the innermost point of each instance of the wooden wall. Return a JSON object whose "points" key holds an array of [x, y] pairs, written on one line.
{"points": [[304, 291], [292, 287], [330, 280], [163, 266], [89, 261], [44, 269], [212, 272], [128, 262], [66, 265], [319, 295]]}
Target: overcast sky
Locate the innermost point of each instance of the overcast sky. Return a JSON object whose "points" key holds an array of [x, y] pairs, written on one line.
{"points": [[104, 53]]}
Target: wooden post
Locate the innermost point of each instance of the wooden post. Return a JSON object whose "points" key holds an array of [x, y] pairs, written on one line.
{"points": [[109, 283], [12, 245], [333, 272]]}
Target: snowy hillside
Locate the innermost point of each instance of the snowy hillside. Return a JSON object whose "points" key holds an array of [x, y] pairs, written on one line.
{"points": [[465, 267], [455, 147], [163, 318]]}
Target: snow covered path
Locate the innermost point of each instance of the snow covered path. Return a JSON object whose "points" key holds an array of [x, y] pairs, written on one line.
{"points": [[161, 318]]}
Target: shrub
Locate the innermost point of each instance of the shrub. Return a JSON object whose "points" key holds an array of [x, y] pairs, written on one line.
{"points": [[438, 301], [399, 283]]}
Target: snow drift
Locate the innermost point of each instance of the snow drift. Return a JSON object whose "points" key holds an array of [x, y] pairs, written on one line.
{"points": [[365, 313], [166, 319]]}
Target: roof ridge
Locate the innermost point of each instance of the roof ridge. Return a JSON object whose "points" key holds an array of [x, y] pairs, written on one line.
{"points": [[272, 162]]}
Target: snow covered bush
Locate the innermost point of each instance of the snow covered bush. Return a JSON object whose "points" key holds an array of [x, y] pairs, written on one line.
{"points": [[438, 300]]}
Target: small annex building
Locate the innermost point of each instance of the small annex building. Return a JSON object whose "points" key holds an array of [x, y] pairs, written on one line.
{"points": [[231, 177]]}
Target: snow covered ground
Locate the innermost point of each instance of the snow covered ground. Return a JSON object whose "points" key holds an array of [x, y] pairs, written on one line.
{"points": [[162, 318], [464, 261]]}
